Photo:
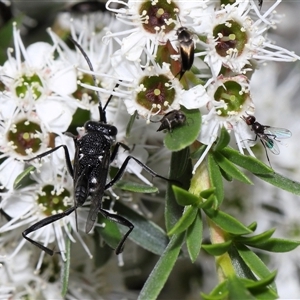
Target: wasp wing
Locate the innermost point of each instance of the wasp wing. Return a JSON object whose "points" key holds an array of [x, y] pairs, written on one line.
{"points": [[99, 174]]}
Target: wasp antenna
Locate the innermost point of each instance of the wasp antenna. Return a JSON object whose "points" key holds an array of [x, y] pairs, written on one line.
{"points": [[101, 110]]}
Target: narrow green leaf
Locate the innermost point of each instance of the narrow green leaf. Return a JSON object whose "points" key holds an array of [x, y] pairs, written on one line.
{"points": [[229, 168], [256, 239], [215, 177], [217, 249], [209, 203], [65, 272], [275, 245], [145, 233], [183, 136], [194, 237], [220, 292], [252, 226], [181, 170], [247, 162], [226, 176], [281, 182], [226, 222], [185, 221], [135, 187], [237, 290], [23, 179], [259, 284], [223, 140], [207, 193], [184, 198], [162, 269], [254, 263]]}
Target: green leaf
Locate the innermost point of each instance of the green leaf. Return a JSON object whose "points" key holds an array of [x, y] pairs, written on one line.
{"points": [[181, 170], [226, 222], [237, 290], [220, 292], [184, 198], [247, 162], [130, 123], [281, 182], [145, 233], [135, 187], [215, 178], [253, 226], [185, 221], [223, 140], [256, 239], [226, 176], [217, 249], [275, 245], [162, 269], [207, 193], [229, 168], [183, 136], [65, 272], [194, 237], [24, 179], [254, 285], [254, 263]]}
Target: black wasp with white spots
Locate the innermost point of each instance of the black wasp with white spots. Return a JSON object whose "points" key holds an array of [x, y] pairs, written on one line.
{"points": [[89, 170]]}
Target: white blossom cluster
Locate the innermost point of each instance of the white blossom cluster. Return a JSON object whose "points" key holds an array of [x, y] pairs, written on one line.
{"points": [[134, 45]]}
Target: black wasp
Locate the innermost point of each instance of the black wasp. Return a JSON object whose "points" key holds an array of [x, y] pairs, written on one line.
{"points": [[186, 49], [93, 156], [268, 135], [171, 120]]}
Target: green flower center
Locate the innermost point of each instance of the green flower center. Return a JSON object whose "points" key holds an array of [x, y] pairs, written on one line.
{"points": [[156, 94], [23, 136], [158, 15], [232, 38], [82, 91], [51, 202], [231, 93], [31, 85]]}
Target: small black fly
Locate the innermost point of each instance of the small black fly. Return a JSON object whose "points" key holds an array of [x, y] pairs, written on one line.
{"points": [[172, 119], [268, 135], [186, 49], [89, 170]]}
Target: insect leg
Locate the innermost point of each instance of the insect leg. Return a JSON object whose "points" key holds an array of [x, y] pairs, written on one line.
{"points": [[123, 167], [67, 156], [44, 222], [116, 149], [118, 219]]}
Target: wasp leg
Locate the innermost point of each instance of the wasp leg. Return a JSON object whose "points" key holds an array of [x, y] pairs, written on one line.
{"points": [[67, 156], [43, 223], [123, 167], [116, 149], [120, 220]]}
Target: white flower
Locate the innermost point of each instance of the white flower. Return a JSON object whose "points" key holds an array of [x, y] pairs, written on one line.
{"points": [[234, 38], [153, 24], [230, 102]]}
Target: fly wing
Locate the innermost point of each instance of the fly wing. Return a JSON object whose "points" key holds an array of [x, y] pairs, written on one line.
{"points": [[270, 144], [277, 133], [100, 173]]}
